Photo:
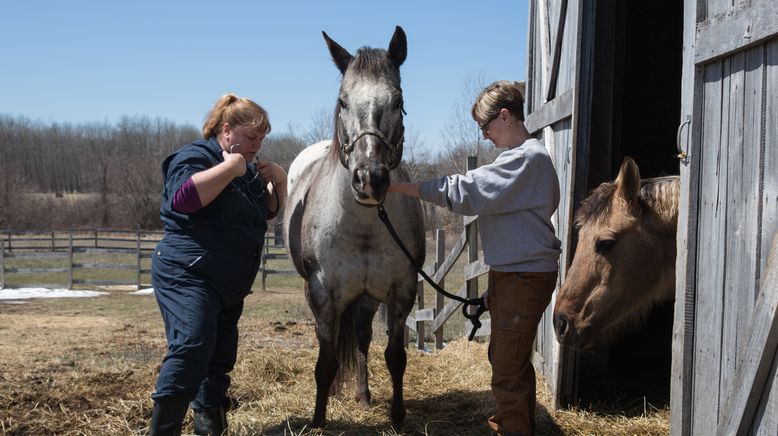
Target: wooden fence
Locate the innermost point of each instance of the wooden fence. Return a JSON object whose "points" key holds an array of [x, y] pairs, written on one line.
{"points": [[79, 253], [437, 271]]}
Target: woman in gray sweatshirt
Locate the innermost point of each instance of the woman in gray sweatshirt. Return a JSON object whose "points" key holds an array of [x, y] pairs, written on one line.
{"points": [[514, 197]]}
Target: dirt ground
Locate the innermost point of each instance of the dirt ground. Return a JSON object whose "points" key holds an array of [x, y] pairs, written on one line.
{"points": [[87, 366]]}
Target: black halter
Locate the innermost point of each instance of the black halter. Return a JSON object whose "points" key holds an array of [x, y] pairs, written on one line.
{"points": [[394, 150]]}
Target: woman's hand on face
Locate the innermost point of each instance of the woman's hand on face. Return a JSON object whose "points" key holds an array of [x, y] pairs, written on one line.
{"points": [[235, 162], [272, 172]]}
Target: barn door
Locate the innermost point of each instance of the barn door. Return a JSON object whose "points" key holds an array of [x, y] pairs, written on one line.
{"points": [[728, 139], [553, 98]]}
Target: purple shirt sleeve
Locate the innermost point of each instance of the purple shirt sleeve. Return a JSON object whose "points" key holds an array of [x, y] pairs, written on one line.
{"points": [[187, 200]]}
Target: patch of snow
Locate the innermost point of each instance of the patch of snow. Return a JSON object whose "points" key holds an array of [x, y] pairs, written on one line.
{"points": [[147, 291], [26, 293]]}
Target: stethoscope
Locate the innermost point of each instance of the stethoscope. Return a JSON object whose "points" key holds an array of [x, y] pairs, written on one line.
{"points": [[250, 182]]}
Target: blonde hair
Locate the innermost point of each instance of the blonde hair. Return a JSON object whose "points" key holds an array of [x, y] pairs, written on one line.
{"points": [[499, 95], [235, 111]]}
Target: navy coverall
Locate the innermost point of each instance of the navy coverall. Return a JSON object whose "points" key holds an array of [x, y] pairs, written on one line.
{"points": [[202, 269]]}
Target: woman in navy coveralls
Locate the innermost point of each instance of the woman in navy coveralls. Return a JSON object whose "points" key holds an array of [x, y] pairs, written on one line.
{"points": [[215, 207]]}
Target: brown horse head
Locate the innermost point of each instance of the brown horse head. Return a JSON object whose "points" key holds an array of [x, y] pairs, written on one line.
{"points": [[625, 259]]}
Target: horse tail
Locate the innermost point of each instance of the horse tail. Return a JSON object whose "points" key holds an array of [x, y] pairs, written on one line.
{"points": [[347, 344]]}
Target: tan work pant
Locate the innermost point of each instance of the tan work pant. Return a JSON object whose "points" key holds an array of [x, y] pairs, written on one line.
{"points": [[516, 303]]}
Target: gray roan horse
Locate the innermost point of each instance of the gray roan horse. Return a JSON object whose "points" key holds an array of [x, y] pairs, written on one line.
{"points": [[624, 263], [334, 236]]}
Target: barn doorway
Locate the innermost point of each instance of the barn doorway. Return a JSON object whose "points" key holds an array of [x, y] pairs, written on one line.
{"points": [[636, 106]]}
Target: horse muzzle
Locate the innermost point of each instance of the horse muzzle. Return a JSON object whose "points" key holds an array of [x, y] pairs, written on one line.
{"points": [[569, 335], [369, 185]]}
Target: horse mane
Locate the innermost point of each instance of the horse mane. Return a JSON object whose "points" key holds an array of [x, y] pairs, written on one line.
{"points": [[658, 197], [374, 62]]}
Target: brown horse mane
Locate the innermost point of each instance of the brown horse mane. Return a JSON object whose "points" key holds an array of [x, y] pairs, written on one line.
{"points": [[658, 203]]}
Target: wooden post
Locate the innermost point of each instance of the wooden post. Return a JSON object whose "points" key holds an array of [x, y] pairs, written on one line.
{"points": [[472, 243], [420, 333], [53, 245], [440, 301], [70, 261], [2, 264], [138, 255], [95, 238], [263, 260]]}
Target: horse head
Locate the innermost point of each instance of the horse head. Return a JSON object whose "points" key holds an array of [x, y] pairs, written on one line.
{"points": [[625, 259], [369, 128]]}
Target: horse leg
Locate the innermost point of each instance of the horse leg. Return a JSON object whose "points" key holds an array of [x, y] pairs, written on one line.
{"points": [[396, 359], [366, 310], [327, 364]]}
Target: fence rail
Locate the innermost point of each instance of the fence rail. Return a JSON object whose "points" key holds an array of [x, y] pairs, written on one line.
{"points": [[473, 269], [80, 252]]}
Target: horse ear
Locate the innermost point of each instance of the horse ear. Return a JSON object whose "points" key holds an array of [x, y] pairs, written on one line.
{"points": [[628, 181], [398, 47], [340, 55]]}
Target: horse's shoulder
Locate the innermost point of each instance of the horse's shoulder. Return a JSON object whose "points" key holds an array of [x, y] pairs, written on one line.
{"points": [[310, 154]]}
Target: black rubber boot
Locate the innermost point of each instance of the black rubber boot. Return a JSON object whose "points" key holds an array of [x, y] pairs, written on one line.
{"points": [[210, 422], [168, 416]]}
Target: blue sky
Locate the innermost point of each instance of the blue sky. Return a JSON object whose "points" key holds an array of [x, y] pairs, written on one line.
{"points": [[85, 61]]}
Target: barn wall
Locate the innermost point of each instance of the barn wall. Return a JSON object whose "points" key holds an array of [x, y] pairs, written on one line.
{"points": [[736, 220], [558, 138]]}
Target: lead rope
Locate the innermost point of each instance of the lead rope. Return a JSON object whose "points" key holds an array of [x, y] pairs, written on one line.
{"points": [[479, 301]]}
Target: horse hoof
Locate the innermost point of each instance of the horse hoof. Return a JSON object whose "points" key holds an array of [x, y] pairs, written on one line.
{"points": [[398, 419], [318, 423], [363, 400], [364, 404]]}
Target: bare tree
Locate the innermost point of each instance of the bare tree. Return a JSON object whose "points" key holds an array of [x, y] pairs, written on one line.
{"points": [[322, 125], [282, 149], [462, 137]]}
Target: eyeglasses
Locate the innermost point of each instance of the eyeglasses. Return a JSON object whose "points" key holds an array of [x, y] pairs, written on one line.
{"points": [[485, 126]]}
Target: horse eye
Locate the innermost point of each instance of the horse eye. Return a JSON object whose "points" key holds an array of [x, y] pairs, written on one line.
{"points": [[342, 104], [604, 246]]}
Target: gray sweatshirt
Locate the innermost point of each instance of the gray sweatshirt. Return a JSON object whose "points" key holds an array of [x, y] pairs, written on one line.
{"points": [[514, 197]]}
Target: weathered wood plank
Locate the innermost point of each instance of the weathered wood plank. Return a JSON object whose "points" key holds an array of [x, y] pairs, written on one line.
{"points": [[731, 29], [551, 112], [36, 270], [756, 355], [440, 302], [681, 378], [735, 222], [105, 266], [767, 417], [451, 259], [104, 282], [425, 314], [449, 309], [104, 250], [35, 285], [710, 251], [475, 269], [47, 255], [770, 160], [557, 55]]}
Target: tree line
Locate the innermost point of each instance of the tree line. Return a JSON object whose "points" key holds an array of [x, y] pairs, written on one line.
{"points": [[107, 175]]}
